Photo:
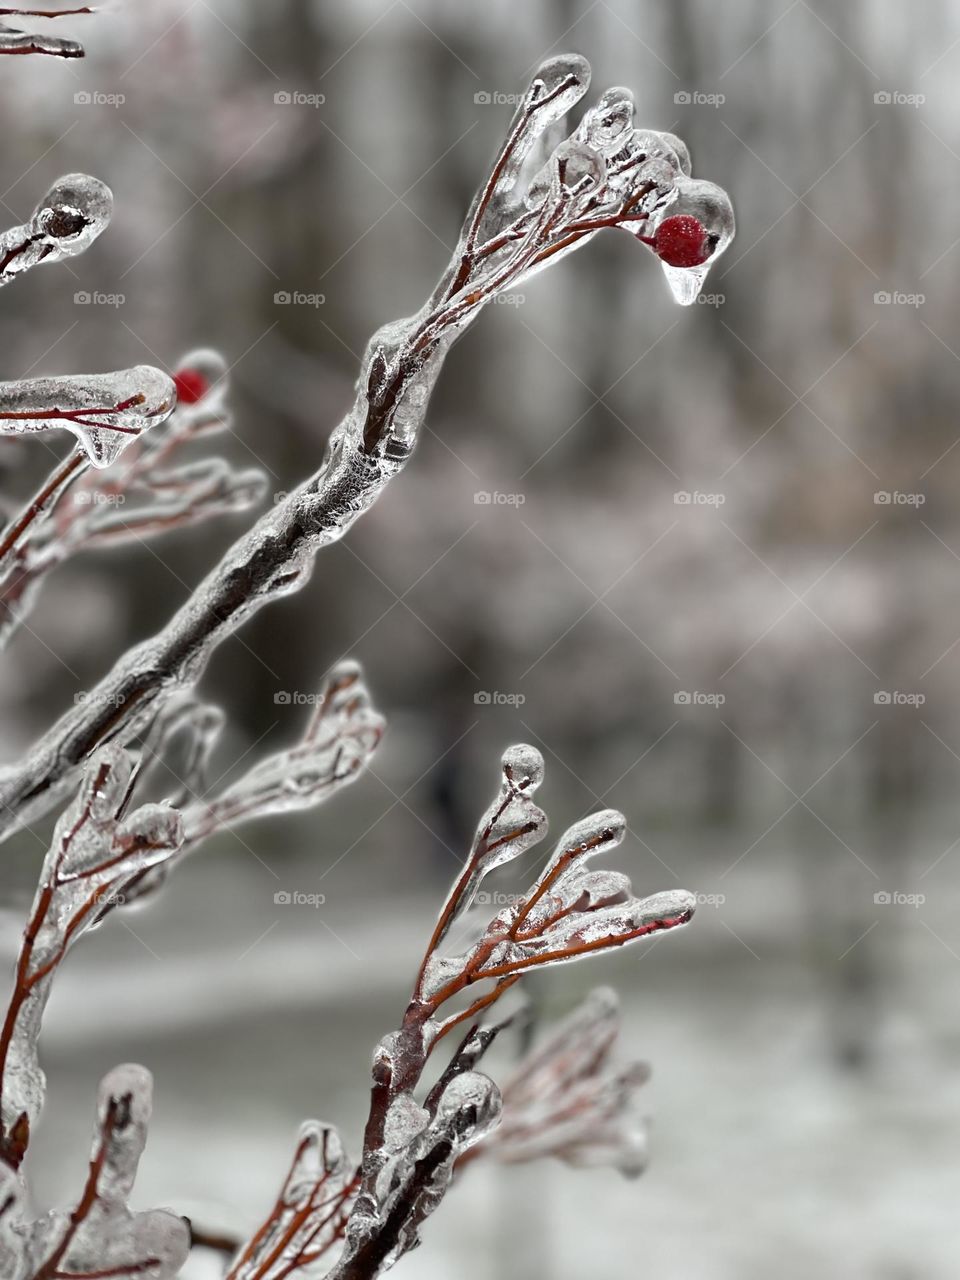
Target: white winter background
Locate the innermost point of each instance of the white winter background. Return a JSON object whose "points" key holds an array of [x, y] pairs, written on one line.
{"points": [[712, 666]]}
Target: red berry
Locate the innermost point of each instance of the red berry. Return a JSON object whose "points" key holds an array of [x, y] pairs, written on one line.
{"points": [[682, 241], [191, 385]]}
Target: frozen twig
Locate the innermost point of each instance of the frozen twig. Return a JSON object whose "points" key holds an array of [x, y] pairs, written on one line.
{"points": [[99, 1238], [73, 213], [145, 491], [567, 1100], [13, 41], [561, 1101], [97, 847], [537, 205], [337, 744]]}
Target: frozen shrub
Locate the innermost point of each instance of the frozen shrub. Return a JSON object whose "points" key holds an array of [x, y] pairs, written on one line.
{"points": [[350, 1219]]}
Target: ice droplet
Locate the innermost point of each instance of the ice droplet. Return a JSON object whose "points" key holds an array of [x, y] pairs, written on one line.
{"points": [[711, 206], [604, 125], [567, 76], [105, 411]]}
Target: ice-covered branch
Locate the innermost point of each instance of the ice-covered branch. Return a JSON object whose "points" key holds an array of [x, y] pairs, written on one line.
{"points": [[99, 1238], [337, 744], [311, 1211], [539, 203], [97, 847], [411, 1150], [105, 411], [13, 41], [145, 492], [75, 210], [567, 1100]]}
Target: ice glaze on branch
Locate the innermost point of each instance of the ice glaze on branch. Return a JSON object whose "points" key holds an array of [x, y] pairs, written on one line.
{"points": [[97, 847], [73, 213], [562, 1101], [99, 1238], [143, 493], [19, 42], [608, 173]]}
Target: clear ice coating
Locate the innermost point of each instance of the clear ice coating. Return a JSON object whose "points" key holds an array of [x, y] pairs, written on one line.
{"points": [[570, 910], [339, 740], [417, 1167], [711, 206], [310, 1213], [515, 228], [14, 41], [511, 825], [96, 848], [75, 210], [104, 411], [145, 492], [99, 1236], [566, 1098]]}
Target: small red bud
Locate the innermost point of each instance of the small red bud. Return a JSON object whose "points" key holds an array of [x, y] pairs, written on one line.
{"points": [[191, 386], [681, 241]]}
